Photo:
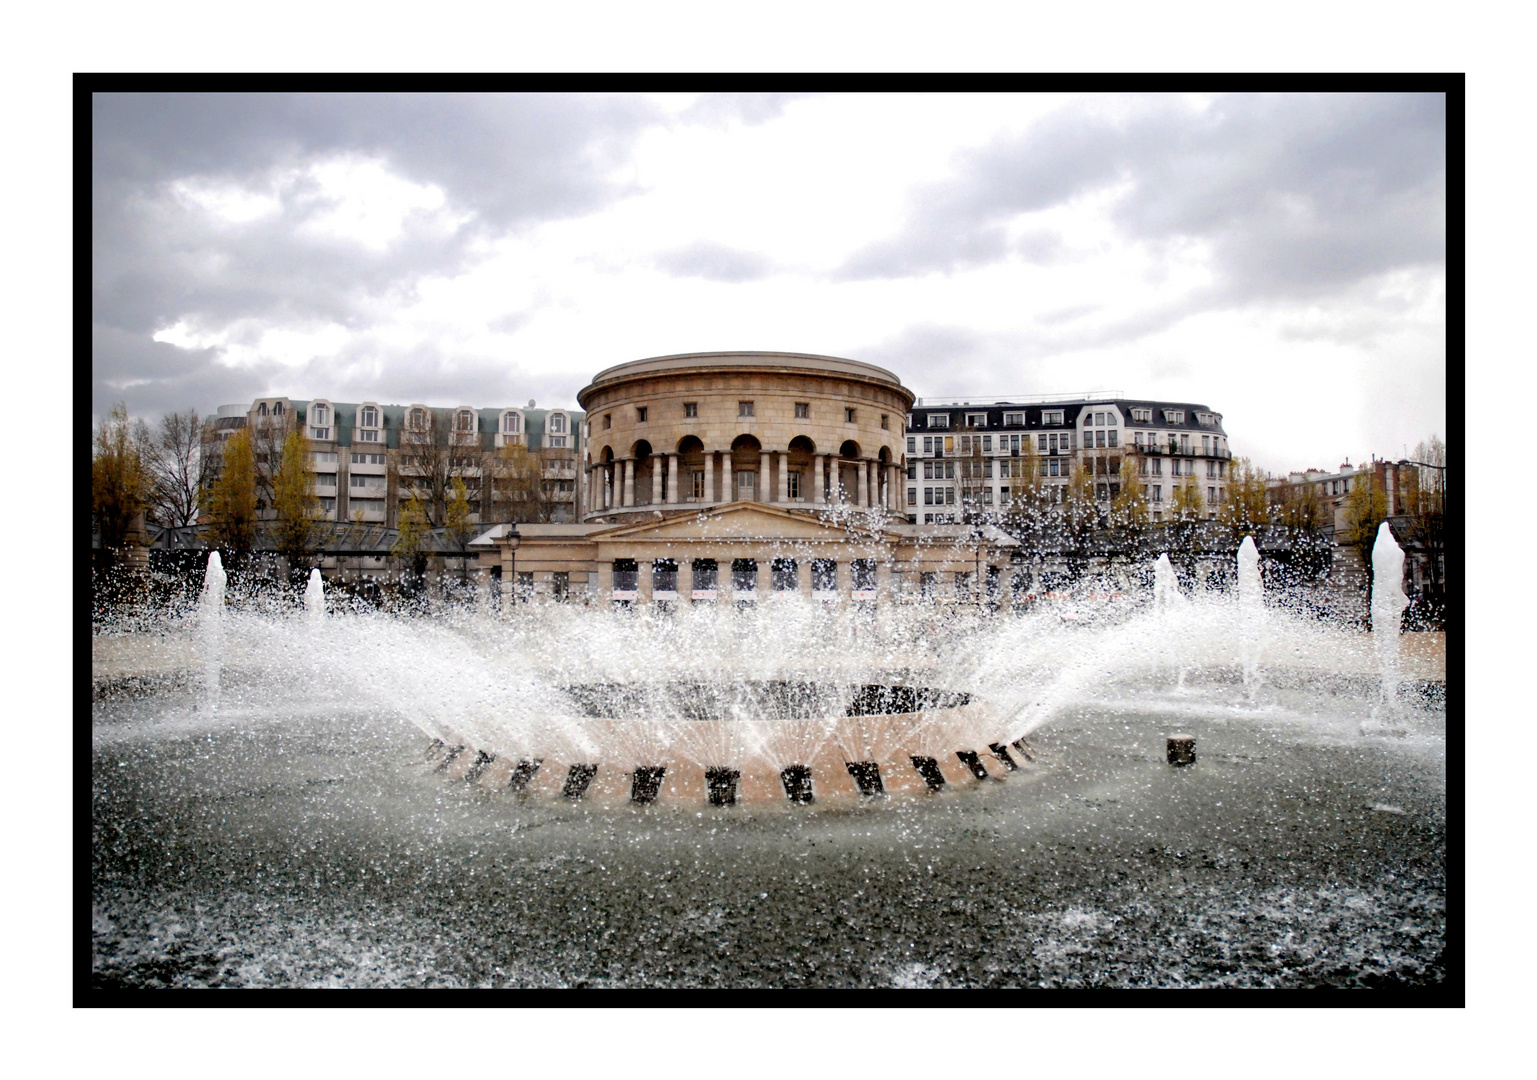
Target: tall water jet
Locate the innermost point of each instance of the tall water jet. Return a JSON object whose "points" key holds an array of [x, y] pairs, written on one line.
{"points": [[1167, 600], [1388, 603], [1251, 614], [315, 600], [211, 629]]}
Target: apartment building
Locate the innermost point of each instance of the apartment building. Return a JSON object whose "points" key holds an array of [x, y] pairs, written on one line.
{"points": [[367, 458], [968, 457]]}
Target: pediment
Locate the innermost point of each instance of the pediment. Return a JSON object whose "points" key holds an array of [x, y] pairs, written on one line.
{"points": [[743, 521]]}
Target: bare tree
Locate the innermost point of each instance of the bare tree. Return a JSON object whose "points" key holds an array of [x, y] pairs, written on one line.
{"points": [[173, 463], [519, 491], [430, 456]]}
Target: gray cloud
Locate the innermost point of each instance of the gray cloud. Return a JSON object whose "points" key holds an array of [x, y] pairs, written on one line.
{"points": [[722, 109], [715, 262], [1297, 195], [505, 161]]}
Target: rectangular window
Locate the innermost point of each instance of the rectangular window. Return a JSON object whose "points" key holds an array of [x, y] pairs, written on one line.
{"points": [[928, 496], [987, 495], [1174, 416], [1014, 419], [1114, 437], [744, 408], [320, 433], [848, 416], [885, 425], [912, 470], [640, 414], [795, 484], [1053, 416], [824, 575], [328, 506], [862, 575], [912, 445], [1051, 467], [1211, 469], [365, 481], [1099, 438], [325, 479], [912, 496], [784, 575], [706, 575], [608, 421], [690, 409], [949, 496], [1211, 496], [1139, 439], [1206, 444], [1184, 444], [1157, 490], [556, 442], [1158, 466], [326, 457], [366, 435], [697, 485], [744, 575], [802, 410], [949, 470], [965, 444], [949, 444], [928, 470], [987, 444], [1142, 416], [976, 419], [928, 444], [939, 420], [746, 482]]}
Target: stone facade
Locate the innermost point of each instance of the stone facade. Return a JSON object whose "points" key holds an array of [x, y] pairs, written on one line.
{"points": [[708, 429]]}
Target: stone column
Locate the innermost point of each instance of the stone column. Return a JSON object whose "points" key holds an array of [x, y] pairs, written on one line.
{"points": [[883, 592], [685, 578], [784, 477], [844, 580], [724, 593], [509, 583], [605, 580], [644, 569], [763, 477], [819, 466], [765, 579], [709, 476], [656, 480], [803, 578], [726, 494], [672, 478], [898, 489], [628, 497], [864, 484]]}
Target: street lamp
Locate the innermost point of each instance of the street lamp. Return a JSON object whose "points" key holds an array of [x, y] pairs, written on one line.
{"points": [[512, 540]]}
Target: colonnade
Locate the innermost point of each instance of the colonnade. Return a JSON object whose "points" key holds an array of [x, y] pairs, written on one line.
{"points": [[885, 584], [611, 485]]}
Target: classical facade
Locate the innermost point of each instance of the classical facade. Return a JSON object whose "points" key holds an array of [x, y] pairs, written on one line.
{"points": [[706, 429], [741, 477], [966, 459], [368, 458]]}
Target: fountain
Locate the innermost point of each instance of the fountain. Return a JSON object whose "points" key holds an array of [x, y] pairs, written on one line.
{"points": [[647, 796], [211, 629], [1388, 604]]}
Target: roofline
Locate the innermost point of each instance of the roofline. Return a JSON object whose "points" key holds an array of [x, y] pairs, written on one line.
{"points": [[739, 361]]}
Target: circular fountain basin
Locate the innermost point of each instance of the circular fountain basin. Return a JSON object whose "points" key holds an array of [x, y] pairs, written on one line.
{"points": [[748, 741]]}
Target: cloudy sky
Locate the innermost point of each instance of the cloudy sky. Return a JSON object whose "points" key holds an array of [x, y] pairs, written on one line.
{"points": [[1281, 259]]}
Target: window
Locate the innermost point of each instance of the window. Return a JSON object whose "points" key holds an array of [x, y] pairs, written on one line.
{"points": [[368, 459], [987, 470], [357, 481], [784, 575], [1211, 469], [558, 423], [884, 425], [928, 470], [862, 575], [1174, 416], [1174, 467], [325, 480], [1112, 419], [1211, 496], [608, 421], [794, 485], [848, 416], [1158, 466], [277, 408], [1088, 419], [928, 444], [928, 496], [1184, 444], [1051, 467], [987, 444], [325, 458], [912, 445], [320, 414], [1142, 416], [1041, 442], [512, 424], [912, 496], [824, 575], [1052, 416], [417, 419], [744, 408], [1115, 439], [949, 471], [690, 409], [1099, 438], [745, 483], [1157, 490], [744, 575], [1013, 419], [976, 419], [328, 505], [912, 470], [802, 410], [1206, 419], [949, 444], [697, 486], [366, 435], [949, 496], [1142, 466], [939, 420], [464, 422], [640, 414], [261, 410]]}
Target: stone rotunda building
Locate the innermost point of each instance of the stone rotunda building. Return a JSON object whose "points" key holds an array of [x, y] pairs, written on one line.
{"points": [[736, 476]]}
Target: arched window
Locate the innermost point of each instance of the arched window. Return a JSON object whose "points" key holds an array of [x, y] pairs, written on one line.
{"points": [[512, 424], [320, 420], [465, 421], [368, 416], [261, 410], [320, 415], [277, 408], [557, 424], [418, 420]]}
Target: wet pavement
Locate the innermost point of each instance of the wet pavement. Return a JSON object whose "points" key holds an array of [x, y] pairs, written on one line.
{"points": [[320, 850]]}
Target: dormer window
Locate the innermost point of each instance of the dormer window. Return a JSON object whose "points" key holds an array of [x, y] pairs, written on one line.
{"points": [[416, 419], [261, 410], [1052, 416], [939, 419], [464, 422], [558, 424], [512, 424], [1174, 416], [320, 420], [556, 427], [277, 408], [368, 424], [1142, 416]]}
